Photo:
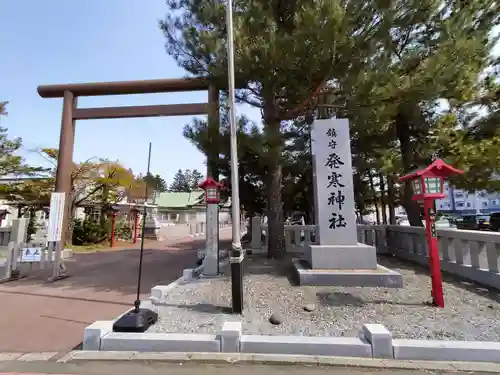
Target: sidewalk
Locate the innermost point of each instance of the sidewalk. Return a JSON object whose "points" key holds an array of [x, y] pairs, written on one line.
{"points": [[164, 368], [51, 317]]}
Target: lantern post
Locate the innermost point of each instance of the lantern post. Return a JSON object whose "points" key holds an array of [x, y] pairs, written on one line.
{"points": [[427, 186], [113, 211], [135, 215], [211, 259]]}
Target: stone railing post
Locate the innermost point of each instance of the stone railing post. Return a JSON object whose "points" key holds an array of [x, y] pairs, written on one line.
{"points": [[19, 231], [256, 233]]}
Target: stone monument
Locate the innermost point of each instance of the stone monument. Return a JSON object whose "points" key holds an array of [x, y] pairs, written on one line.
{"points": [[337, 258], [152, 224]]}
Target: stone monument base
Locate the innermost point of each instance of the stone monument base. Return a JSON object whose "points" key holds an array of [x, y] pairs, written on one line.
{"points": [[341, 257], [344, 265], [151, 229], [378, 277]]}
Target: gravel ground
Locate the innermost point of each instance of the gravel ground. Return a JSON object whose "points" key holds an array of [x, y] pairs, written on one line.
{"points": [[202, 306]]}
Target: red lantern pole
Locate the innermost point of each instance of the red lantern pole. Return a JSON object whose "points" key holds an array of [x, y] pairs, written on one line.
{"points": [[136, 224], [432, 245], [113, 221]]}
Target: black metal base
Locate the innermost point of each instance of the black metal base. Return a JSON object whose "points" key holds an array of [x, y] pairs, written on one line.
{"points": [[237, 287], [136, 321]]}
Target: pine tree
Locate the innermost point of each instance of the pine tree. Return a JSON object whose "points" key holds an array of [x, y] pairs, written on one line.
{"points": [[11, 164], [282, 58], [196, 179], [383, 67], [187, 180], [179, 182], [155, 182]]}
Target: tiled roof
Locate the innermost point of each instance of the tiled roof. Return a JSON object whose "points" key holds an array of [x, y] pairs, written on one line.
{"points": [[179, 200]]}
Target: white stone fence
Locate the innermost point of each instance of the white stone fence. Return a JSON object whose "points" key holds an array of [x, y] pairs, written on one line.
{"points": [[193, 229], [16, 233], [473, 255]]}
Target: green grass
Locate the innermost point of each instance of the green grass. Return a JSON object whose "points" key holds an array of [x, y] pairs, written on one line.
{"points": [[92, 248], [89, 248]]}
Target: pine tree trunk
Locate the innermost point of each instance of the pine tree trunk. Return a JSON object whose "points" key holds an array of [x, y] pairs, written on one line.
{"points": [[275, 221], [358, 198], [403, 133], [372, 187], [392, 198], [382, 199], [71, 224]]}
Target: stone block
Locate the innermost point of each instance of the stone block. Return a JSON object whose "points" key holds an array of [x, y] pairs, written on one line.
{"points": [[6, 356], [341, 257], [93, 334], [188, 274], [35, 357], [302, 345], [380, 277], [437, 350], [160, 342], [380, 338], [159, 292], [230, 337]]}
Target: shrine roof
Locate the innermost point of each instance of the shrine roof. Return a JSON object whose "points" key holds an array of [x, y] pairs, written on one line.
{"points": [[438, 167]]}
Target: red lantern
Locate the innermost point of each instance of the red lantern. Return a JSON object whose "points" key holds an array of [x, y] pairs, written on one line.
{"points": [[427, 186], [211, 188]]}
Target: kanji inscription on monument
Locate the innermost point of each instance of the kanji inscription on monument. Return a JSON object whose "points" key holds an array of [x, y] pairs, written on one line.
{"points": [[334, 191]]}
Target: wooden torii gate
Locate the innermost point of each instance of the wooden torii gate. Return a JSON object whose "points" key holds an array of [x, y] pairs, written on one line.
{"points": [[71, 113]]}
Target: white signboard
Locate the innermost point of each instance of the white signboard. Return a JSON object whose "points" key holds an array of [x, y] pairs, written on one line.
{"points": [[56, 213], [31, 255], [334, 197]]}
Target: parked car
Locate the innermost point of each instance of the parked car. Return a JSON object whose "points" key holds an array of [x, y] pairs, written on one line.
{"points": [[473, 222], [440, 224], [495, 221]]}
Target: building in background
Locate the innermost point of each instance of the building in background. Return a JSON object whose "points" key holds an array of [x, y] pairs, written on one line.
{"points": [[459, 201], [183, 207]]}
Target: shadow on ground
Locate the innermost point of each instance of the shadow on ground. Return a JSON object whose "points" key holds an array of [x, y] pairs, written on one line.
{"points": [[116, 272]]}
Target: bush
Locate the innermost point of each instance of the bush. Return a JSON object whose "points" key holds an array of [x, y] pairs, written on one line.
{"points": [[32, 227], [123, 231], [88, 232]]}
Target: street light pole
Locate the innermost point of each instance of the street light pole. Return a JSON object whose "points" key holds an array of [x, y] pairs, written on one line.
{"points": [[237, 254]]}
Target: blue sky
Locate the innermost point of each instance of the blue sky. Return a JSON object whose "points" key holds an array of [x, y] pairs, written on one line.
{"points": [[61, 41], [64, 41]]}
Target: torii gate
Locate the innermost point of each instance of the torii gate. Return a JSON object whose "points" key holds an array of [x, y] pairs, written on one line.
{"points": [[71, 113]]}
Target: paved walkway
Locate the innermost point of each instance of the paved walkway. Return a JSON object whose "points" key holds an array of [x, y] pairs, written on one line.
{"points": [[158, 368], [38, 316]]}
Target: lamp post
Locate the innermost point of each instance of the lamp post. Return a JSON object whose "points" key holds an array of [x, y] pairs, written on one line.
{"points": [[427, 186], [113, 211], [138, 319], [236, 258], [211, 259]]}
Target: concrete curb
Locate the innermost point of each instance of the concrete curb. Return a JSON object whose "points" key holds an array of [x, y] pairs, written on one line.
{"points": [[248, 358], [373, 342]]}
